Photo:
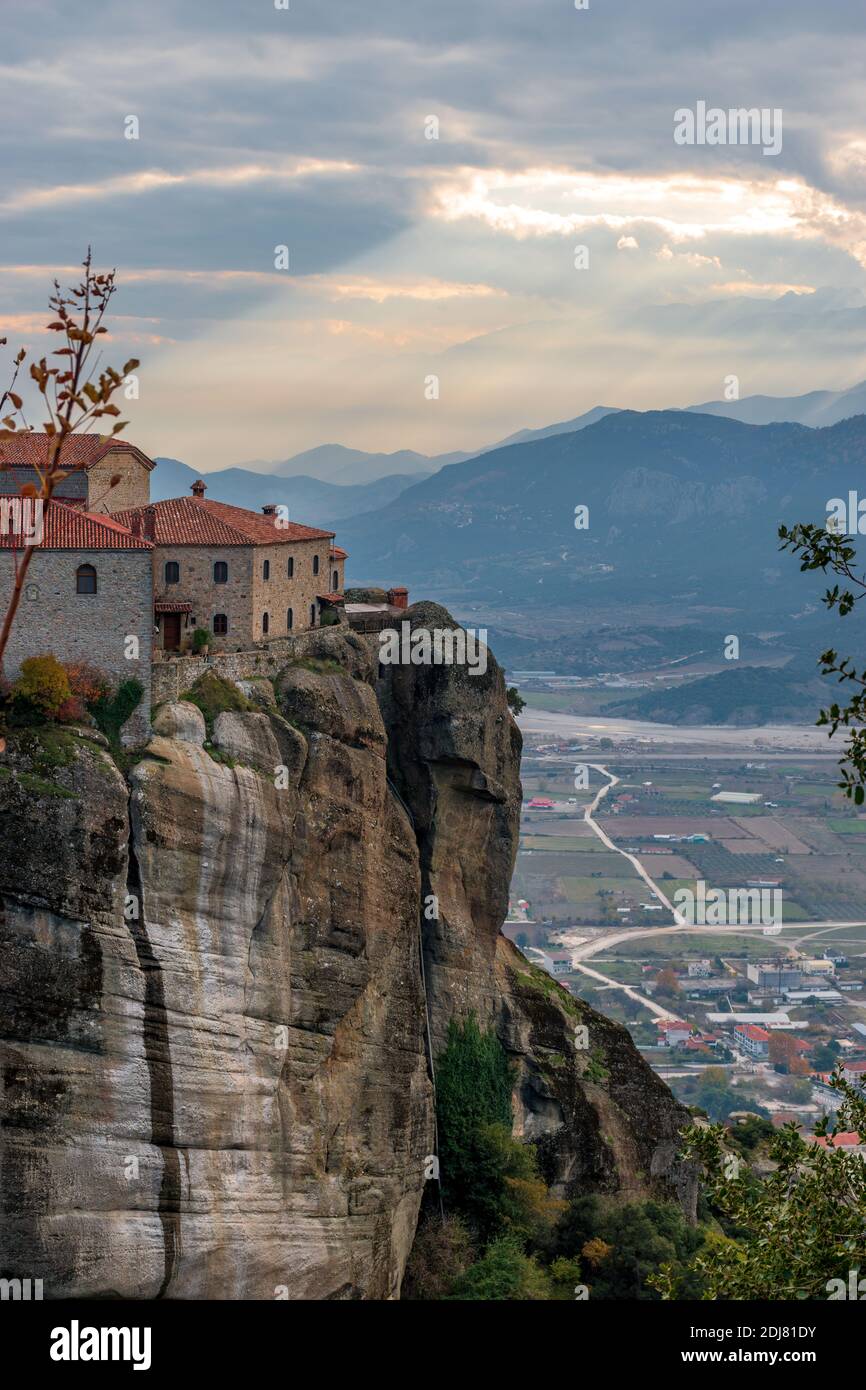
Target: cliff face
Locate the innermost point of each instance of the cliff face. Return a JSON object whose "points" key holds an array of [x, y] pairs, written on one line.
{"points": [[213, 1037]]}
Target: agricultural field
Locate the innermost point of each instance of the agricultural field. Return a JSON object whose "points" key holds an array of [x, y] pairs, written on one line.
{"points": [[801, 836]]}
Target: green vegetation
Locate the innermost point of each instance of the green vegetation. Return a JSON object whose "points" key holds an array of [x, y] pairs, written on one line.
{"points": [[503, 1236], [790, 1234], [488, 1178], [41, 690], [213, 695], [711, 1092], [37, 785], [504, 1271], [111, 711], [621, 1245]]}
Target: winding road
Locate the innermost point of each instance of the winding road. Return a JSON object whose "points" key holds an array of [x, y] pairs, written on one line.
{"points": [[682, 927]]}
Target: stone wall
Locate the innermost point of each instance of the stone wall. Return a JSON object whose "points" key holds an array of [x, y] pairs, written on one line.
{"points": [[86, 627], [196, 586], [336, 576], [170, 678], [277, 594], [133, 489], [247, 595]]}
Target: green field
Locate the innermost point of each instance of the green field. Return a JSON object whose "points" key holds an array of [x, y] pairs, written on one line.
{"points": [[572, 844], [584, 890], [849, 826]]}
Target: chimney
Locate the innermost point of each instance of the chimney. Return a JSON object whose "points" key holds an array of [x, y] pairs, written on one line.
{"points": [[149, 529], [135, 524], [269, 509], [198, 488], [399, 597]]}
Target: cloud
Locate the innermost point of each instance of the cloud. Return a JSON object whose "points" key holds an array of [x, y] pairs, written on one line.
{"points": [[307, 127]]}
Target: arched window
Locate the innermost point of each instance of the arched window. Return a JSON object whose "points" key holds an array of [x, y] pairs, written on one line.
{"points": [[290, 567], [315, 564], [290, 620], [220, 572], [172, 572], [85, 580], [266, 622], [312, 615], [220, 624], [335, 585], [266, 570]]}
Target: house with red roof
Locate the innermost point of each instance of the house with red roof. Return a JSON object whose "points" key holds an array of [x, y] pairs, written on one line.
{"points": [[87, 597], [247, 577], [99, 474], [855, 1073], [115, 576], [753, 1040]]}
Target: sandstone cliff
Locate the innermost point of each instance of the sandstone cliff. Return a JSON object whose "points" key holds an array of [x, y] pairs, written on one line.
{"points": [[220, 981]]}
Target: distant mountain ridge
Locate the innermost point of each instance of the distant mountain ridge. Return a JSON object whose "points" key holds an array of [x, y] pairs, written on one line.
{"points": [[681, 506], [816, 408], [334, 463], [340, 466], [309, 500]]}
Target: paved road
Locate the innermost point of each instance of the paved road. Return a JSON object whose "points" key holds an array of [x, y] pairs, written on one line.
{"points": [[632, 859], [683, 926], [632, 993]]}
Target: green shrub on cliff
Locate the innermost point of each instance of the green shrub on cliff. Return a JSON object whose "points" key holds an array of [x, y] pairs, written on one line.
{"points": [[41, 690], [214, 696], [111, 711], [488, 1177], [621, 1244], [505, 1271]]}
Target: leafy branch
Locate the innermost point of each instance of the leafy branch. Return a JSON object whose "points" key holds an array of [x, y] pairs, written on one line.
{"points": [[820, 548], [74, 395]]}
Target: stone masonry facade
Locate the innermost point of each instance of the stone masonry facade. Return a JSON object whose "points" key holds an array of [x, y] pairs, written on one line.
{"points": [[281, 581], [133, 489], [93, 628], [277, 594], [196, 586]]}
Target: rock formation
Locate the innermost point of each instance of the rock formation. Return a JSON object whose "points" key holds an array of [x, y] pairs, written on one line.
{"points": [[216, 1012]]}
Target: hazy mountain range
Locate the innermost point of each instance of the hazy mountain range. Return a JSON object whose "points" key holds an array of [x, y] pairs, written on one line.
{"points": [[308, 499], [343, 468], [682, 507]]}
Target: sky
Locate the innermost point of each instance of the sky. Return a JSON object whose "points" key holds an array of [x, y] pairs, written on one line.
{"points": [[435, 296]]}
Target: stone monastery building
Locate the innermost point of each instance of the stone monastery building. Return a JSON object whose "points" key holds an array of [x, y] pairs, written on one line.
{"points": [[112, 566]]}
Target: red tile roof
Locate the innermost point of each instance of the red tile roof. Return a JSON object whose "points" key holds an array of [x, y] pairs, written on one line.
{"points": [[330, 598], [70, 528], [338, 553], [198, 521], [30, 450], [753, 1032], [846, 1140]]}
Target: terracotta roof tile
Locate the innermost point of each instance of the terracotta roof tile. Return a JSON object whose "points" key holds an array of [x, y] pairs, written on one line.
{"points": [[198, 521], [753, 1032], [30, 450], [71, 528], [338, 553]]}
